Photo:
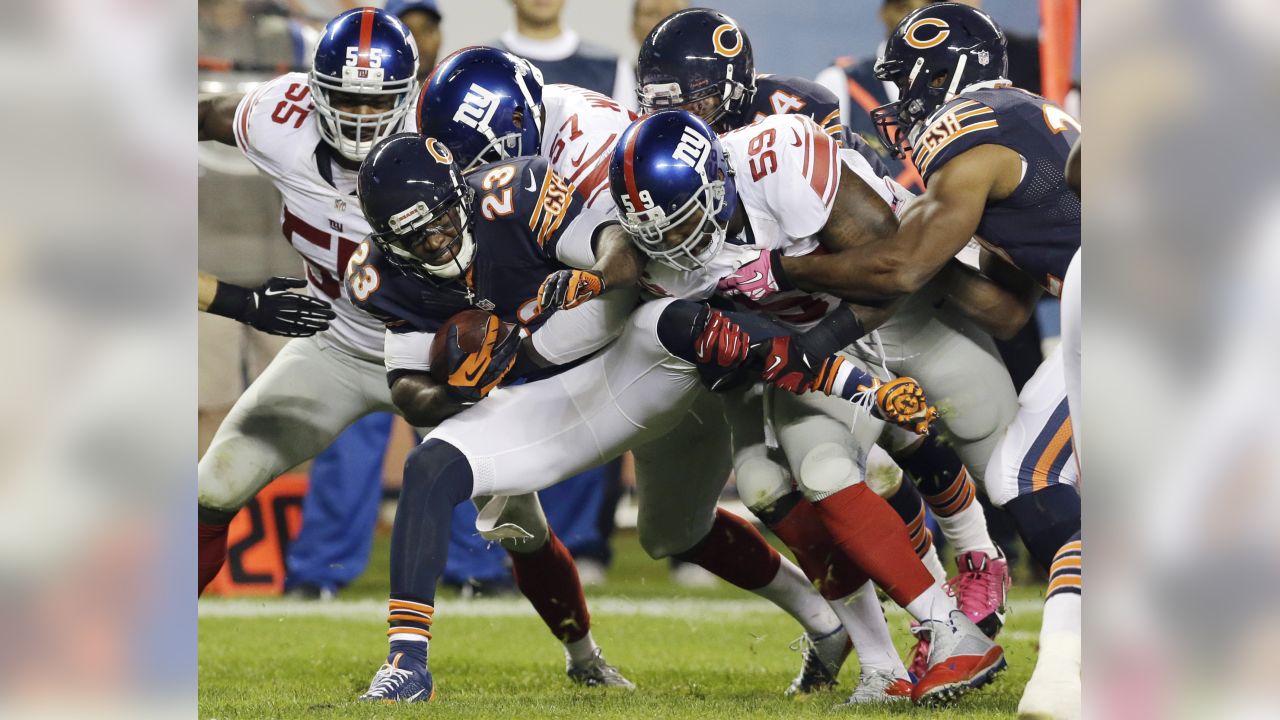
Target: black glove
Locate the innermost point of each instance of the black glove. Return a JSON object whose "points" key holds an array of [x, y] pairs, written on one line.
{"points": [[272, 309], [473, 375]]}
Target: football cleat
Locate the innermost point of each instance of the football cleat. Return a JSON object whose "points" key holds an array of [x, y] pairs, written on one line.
{"points": [[878, 687], [823, 658], [393, 684], [596, 672], [961, 659], [979, 589]]}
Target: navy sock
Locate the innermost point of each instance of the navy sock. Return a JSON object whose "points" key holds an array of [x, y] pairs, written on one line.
{"points": [[933, 466]]}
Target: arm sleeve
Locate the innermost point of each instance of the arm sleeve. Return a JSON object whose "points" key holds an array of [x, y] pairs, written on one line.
{"points": [[408, 350], [570, 334], [576, 246], [264, 141]]}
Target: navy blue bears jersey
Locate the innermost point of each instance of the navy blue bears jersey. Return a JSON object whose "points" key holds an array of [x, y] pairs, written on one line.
{"points": [[782, 94], [521, 210], [1037, 227]]}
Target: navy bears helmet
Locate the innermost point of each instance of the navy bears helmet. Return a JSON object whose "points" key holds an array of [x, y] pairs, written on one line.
{"points": [[412, 193], [695, 55], [935, 53], [485, 105], [667, 170], [365, 57]]}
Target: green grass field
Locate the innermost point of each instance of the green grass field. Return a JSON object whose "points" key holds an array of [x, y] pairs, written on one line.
{"points": [[714, 652]]}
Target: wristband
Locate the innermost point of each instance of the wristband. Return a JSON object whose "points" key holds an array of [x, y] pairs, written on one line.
{"points": [[231, 301], [834, 333], [779, 275]]}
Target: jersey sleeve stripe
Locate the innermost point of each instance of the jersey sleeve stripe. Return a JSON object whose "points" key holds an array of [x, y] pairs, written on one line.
{"points": [[245, 109], [823, 157], [974, 113], [536, 215], [928, 157], [830, 117]]}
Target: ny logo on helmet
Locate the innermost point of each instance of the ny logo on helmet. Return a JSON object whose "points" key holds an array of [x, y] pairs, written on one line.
{"points": [[693, 150], [477, 108]]}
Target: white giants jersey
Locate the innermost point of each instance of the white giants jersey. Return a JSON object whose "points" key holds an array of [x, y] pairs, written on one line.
{"points": [[787, 173], [275, 127], [578, 135]]}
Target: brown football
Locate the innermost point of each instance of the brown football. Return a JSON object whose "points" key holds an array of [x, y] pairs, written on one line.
{"points": [[472, 324]]}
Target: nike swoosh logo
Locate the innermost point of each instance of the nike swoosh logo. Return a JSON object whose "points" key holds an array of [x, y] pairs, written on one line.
{"points": [[776, 362], [533, 183], [578, 160], [796, 135], [276, 292], [758, 277], [472, 377]]}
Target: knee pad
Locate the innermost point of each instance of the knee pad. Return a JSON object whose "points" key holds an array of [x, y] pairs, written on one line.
{"points": [[1046, 520], [439, 470], [761, 482], [828, 468], [514, 522]]}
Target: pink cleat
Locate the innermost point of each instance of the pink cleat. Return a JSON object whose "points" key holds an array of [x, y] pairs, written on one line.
{"points": [[979, 589]]}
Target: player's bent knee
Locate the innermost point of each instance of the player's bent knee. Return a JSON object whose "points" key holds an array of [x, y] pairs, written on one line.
{"points": [[437, 471], [516, 522], [1046, 520], [828, 468], [761, 482]]}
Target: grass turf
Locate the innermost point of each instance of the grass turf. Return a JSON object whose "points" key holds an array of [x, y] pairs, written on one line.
{"points": [[727, 663]]}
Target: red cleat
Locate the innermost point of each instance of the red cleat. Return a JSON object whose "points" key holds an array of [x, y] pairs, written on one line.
{"points": [[961, 658]]}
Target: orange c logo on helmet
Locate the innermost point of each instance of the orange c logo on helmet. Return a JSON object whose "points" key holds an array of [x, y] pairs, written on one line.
{"points": [[439, 151], [719, 32], [937, 39]]}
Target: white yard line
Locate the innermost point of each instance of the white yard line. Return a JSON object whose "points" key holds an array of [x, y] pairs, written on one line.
{"points": [[370, 609]]}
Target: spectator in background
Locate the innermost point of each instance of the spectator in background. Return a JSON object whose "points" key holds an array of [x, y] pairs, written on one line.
{"points": [[253, 34], [647, 13], [422, 17], [561, 54]]}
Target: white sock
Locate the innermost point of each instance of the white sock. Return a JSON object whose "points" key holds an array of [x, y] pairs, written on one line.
{"points": [[863, 617], [933, 564], [1061, 614], [932, 604], [792, 591], [407, 637], [967, 530], [580, 649]]}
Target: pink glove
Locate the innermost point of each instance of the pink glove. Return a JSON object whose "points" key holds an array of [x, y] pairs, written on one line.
{"points": [[756, 280]]}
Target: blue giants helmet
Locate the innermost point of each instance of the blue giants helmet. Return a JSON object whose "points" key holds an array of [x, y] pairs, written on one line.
{"points": [[935, 52], [408, 187], [667, 169], [694, 54], [365, 57], [485, 105]]}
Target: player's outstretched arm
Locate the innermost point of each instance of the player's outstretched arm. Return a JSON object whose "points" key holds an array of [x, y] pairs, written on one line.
{"points": [[422, 401], [617, 266], [217, 115], [270, 307], [874, 265]]}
